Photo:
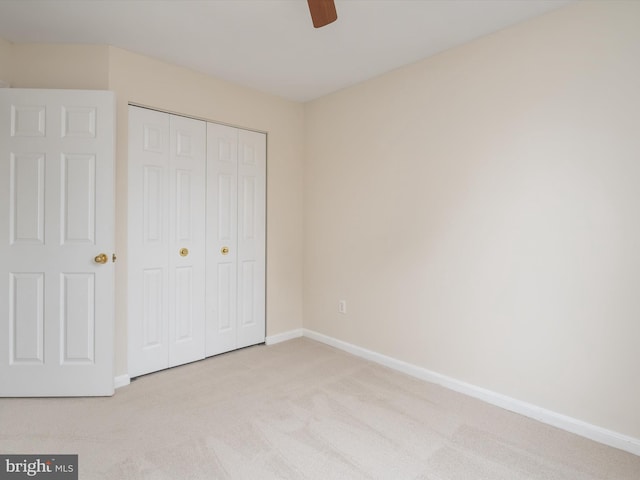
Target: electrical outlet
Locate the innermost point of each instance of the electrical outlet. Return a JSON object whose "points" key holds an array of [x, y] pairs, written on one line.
{"points": [[342, 306]]}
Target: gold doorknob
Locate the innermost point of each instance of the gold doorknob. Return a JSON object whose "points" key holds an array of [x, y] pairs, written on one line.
{"points": [[102, 258], [224, 250], [184, 252]]}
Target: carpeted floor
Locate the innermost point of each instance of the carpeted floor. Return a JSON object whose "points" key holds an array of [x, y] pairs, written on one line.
{"points": [[298, 410]]}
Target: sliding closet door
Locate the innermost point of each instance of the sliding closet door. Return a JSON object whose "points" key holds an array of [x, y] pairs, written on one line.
{"points": [[166, 251]]}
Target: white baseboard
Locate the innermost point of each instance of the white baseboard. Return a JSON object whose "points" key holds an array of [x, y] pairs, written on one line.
{"points": [[592, 432], [121, 381], [283, 337]]}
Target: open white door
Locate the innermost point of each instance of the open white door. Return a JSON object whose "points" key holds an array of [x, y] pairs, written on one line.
{"points": [[56, 242]]}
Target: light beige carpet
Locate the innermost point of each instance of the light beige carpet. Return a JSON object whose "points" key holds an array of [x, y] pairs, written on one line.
{"points": [[299, 410]]}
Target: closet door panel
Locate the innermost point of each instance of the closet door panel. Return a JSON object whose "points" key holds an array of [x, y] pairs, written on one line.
{"points": [[251, 237], [148, 230], [222, 226], [187, 170]]}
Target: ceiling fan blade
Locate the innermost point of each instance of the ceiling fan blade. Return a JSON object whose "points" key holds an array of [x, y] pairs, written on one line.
{"points": [[323, 12]]}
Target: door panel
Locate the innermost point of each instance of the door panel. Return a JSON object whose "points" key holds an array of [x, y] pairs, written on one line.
{"points": [[184, 304], [148, 231], [187, 171], [56, 337], [251, 237], [153, 325], [78, 317], [166, 240], [153, 205], [26, 317], [236, 162], [26, 198], [222, 227], [78, 198]]}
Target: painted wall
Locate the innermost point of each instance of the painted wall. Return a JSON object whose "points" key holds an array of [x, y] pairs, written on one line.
{"points": [[6, 62], [138, 79], [479, 211], [60, 66]]}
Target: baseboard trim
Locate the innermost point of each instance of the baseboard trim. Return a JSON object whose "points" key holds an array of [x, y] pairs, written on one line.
{"points": [[283, 337], [121, 381], [573, 425]]}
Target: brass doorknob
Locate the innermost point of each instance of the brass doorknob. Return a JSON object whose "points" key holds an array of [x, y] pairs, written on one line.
{"points": [[102, 258], [184, 252], [224, 250]]}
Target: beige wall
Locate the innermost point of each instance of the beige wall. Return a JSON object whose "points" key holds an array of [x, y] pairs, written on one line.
{"points": [[60, 66], [138, 79], [479, 211], [6, 63]]}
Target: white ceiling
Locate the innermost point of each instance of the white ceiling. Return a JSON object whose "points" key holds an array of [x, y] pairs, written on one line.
{"points": [[270, 45]]}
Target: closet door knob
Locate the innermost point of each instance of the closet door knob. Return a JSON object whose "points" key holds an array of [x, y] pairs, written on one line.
{"points": [[224, 250], [184, 252], [102, 258]]}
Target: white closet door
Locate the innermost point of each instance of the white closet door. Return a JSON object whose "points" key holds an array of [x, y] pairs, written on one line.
{"points": [[56, 217], [251, 237], [148, 243], [187, 176], [222, 228], [166, 240], [236, 184]]}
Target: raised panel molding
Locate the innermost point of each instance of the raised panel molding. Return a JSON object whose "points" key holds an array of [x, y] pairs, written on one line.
{"points": [[26, 318], [78, 122], [248, 213], [152, 211], [183, 144], [28, 121], [153, 311], [184, 209], [184, 304], [225, 304], [225, 151], [225, 204], [152, 139], [78, 191], [78, 317], [248, 155], [247, 284], [26, 198]]}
